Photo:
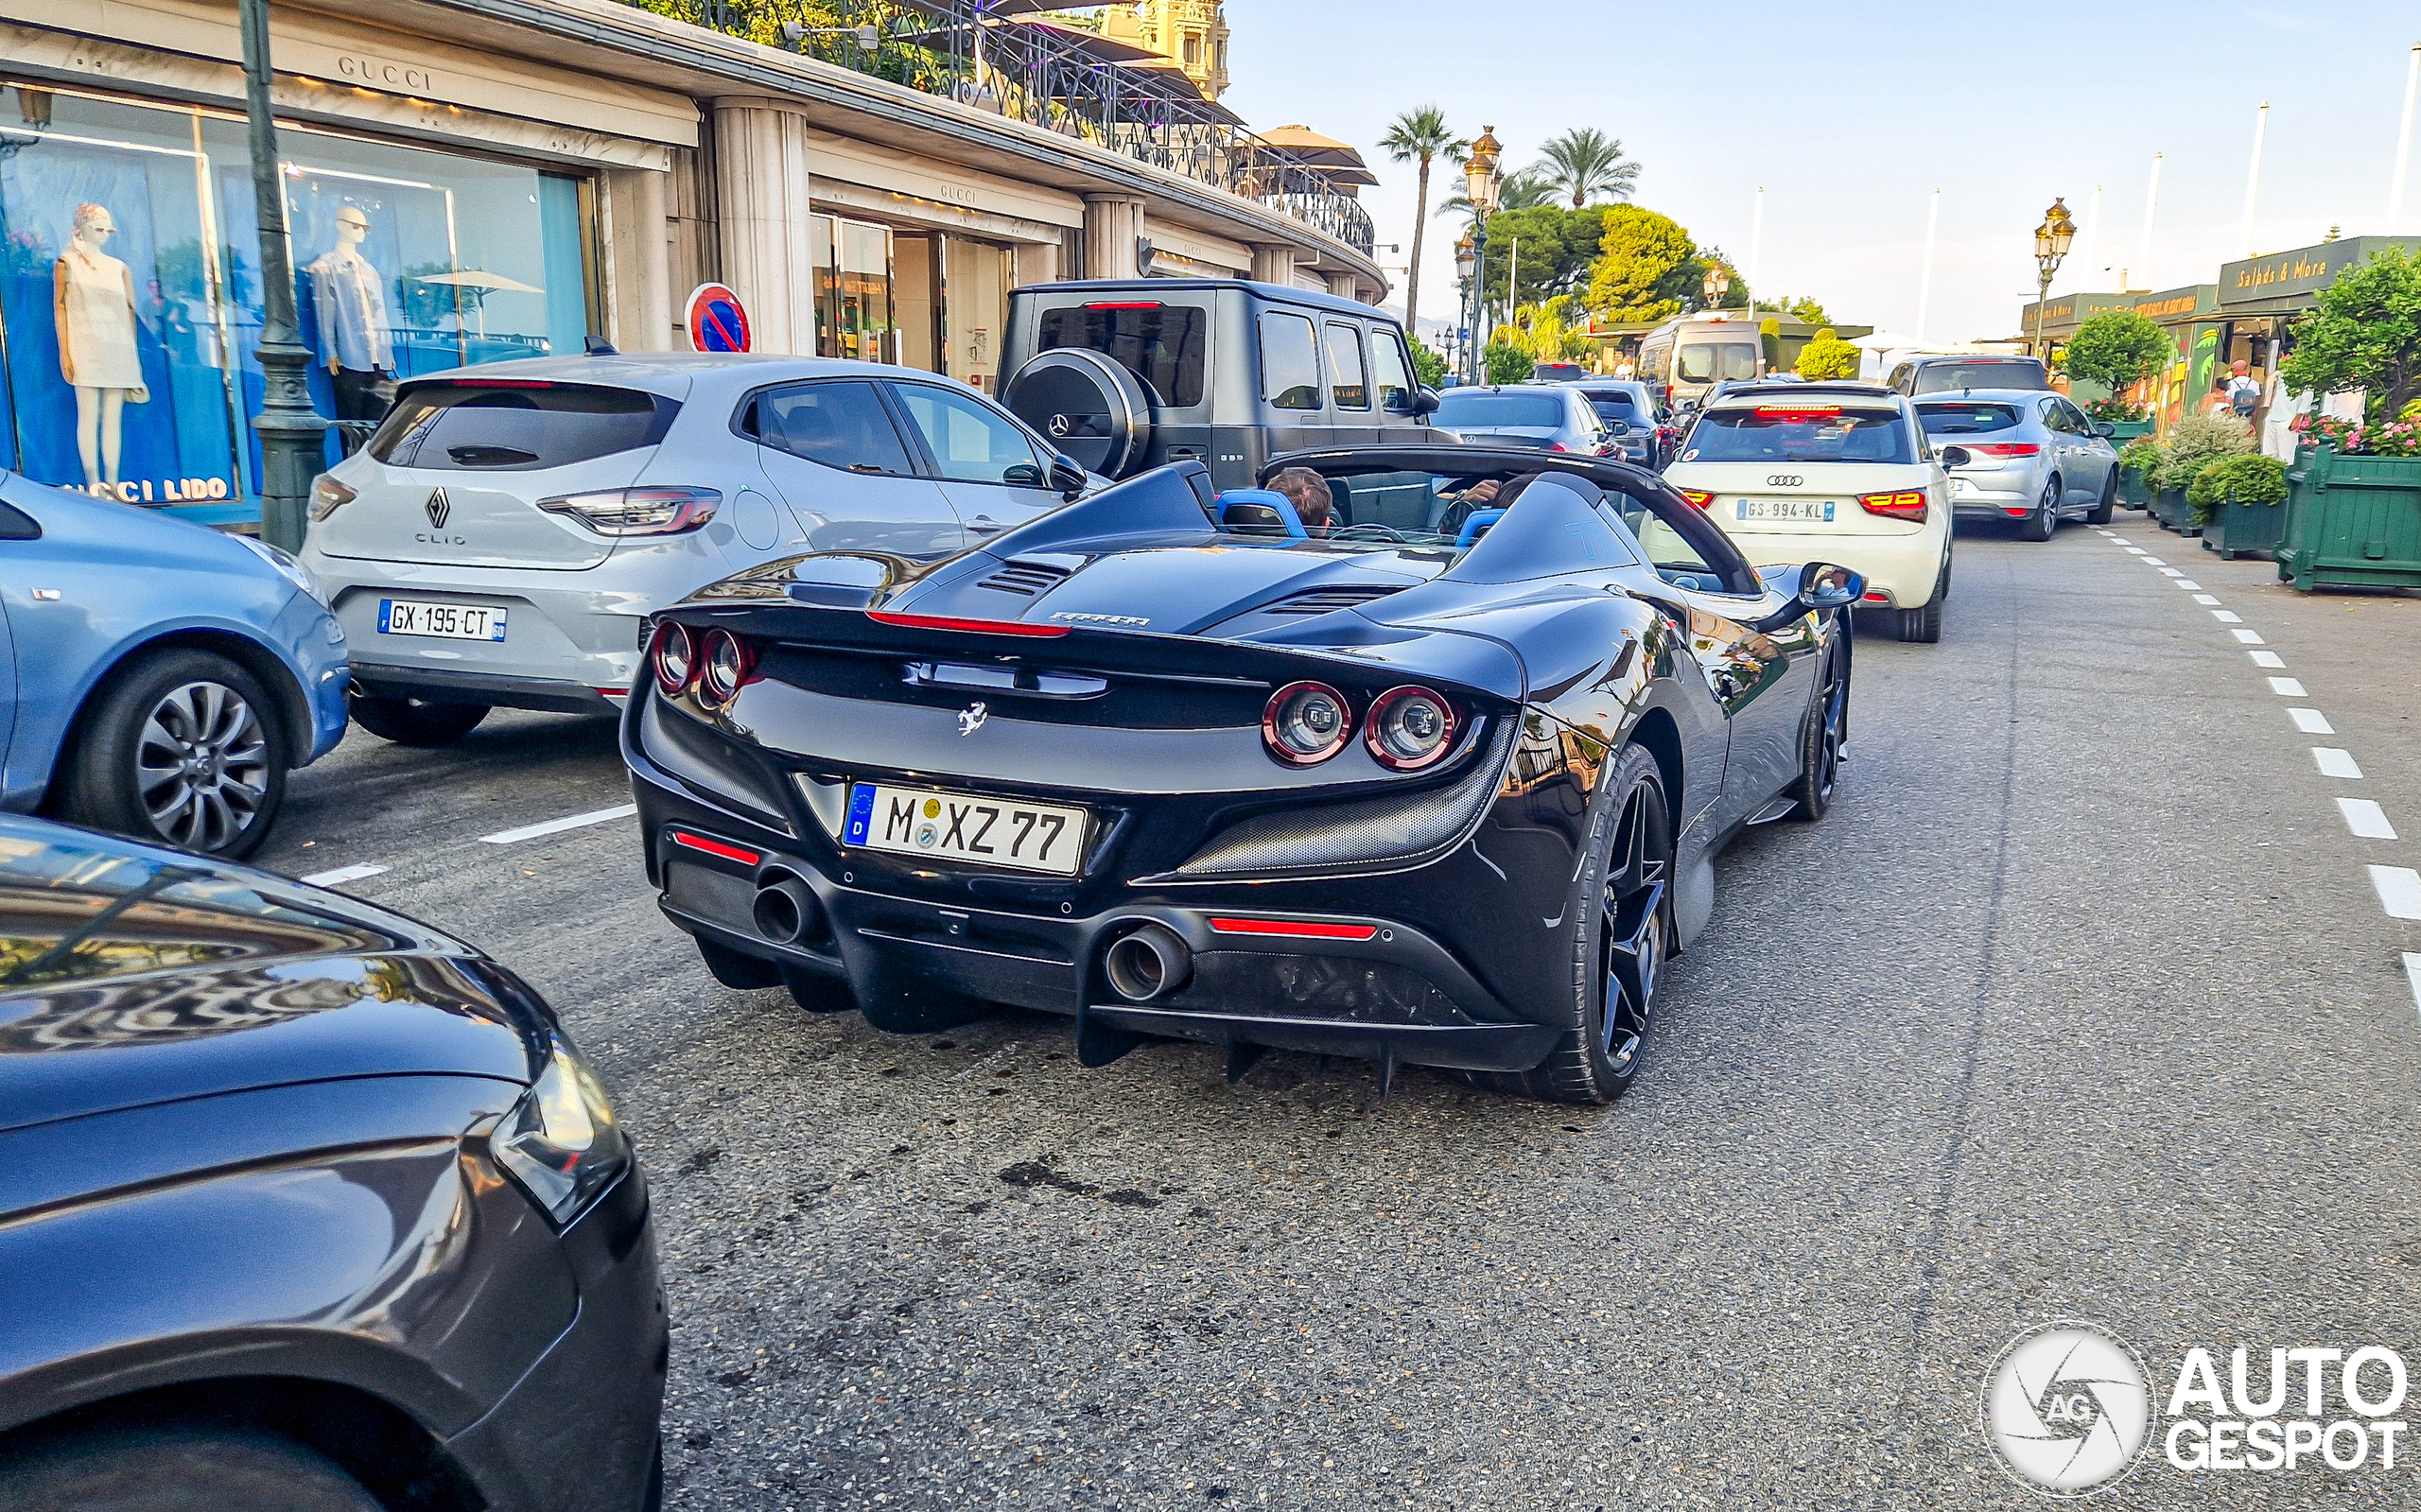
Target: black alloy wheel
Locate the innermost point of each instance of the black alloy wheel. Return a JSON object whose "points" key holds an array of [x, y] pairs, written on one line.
{"points": [[2040, 525], [1820, 744], [1620, 942], [2100, 513], [413, 720], [182, 749], [177, 1467]]}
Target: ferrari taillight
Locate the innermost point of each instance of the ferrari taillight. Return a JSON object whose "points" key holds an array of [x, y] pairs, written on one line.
{"points": [[1698, 497], [724, 663], [1408, 728], [1906, 504], [676, 658], [1306, 723]]}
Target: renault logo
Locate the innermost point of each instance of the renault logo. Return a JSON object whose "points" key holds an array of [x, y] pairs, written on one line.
{"points": [[437, 508], [971, 718]]}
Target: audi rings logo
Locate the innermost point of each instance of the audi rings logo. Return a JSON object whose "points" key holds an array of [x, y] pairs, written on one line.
{"points": [[1783, 481], [2067, 1409]]}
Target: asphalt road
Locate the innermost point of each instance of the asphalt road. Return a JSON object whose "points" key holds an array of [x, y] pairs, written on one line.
{"points": [[2082, 1003]]}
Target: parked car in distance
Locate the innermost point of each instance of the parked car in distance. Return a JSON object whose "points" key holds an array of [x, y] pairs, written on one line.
{"points": [[1947, 375], [1644, 441], [1835, 472], [1442, 786], [302, 1206], [1557, 372], [2030, 456], [157, 678], [1690, 354], [1127, 374], [507, 531], [1550, 416]]}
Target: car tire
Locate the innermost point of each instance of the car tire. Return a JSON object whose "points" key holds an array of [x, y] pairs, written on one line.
{"points": [[816, 992], [1923, 626], [178, 1469], [740, 973], [2040, 525], [414, 721], [218, 751], [1622, 933], [2106, 504], [1821, 742]]}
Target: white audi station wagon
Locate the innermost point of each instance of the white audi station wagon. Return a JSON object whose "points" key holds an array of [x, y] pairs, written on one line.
{"points": [[1829, 472]]}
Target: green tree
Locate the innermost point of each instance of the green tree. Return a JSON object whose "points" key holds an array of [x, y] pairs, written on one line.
{"points": [[1805, 310], [1503, 362], [1770, 343], [1524, 190], [1584, 163], [1421, 135], [1428, 366], [1643, 268], [1828, 356], [1557, 247], [2118, 349], [2364, 334]]}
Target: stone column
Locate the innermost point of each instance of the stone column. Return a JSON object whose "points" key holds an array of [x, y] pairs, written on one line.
{"points": [[653, 253], [1344, 286], [1273, 264], [1112, 221], [1037, 262], [761, 219]]}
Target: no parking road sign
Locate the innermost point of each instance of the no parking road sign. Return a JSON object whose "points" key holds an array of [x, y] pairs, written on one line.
{"points": [[717, 320]]}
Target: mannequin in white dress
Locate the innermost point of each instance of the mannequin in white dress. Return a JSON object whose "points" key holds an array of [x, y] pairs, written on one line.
{"points": [[93, 296]]}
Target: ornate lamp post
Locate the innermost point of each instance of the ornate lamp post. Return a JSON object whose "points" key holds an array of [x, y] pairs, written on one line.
{"points": [[1717, 284], [292, 433], [1480, 187], [1466, 262], [2051, 240]]}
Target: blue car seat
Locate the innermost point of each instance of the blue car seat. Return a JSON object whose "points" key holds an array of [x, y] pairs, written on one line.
{"points": [[1260, 512]]}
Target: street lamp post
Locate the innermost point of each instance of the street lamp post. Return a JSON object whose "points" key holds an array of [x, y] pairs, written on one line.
{"points": [[292, 434], [2051, 240], [1717, 284], [1479, 187], [1466, 262]]}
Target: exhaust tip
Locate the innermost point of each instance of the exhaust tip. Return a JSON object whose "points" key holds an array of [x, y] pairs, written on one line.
{"points": [[1148, 963], [787, 914]]}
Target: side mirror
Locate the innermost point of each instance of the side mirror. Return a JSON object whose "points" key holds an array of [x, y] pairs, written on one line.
{"points": [[1424, 401], [1068, 477], [2104, 430], [1617, 427], [1953, 457], [1823, 586]]}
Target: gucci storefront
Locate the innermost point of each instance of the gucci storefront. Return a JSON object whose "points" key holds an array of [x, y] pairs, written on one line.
{"points": [[131, 290]]}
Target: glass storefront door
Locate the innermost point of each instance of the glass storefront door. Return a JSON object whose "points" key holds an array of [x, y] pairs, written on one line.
{"points": [[853, 304]]}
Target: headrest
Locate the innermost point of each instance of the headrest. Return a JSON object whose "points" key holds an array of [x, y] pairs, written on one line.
{"points": [[1477, 525], [1260, 512]]}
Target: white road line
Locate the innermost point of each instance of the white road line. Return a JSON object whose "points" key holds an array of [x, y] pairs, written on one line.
{"points": [[2188, 585], [2288, 687], [2138, 551], [2117, 540], [2207, 597], [2335, 762], [2412, 975], [2250, 637], [552, 826], [2170, 572], [2367, 819], [2311, 722], [2266, 658], [342, 873], [2155, 562], [2225, 616], [2399, 890]]}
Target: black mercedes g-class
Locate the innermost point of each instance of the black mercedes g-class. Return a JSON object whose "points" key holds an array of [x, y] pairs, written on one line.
{"points": [[1123, 375]]}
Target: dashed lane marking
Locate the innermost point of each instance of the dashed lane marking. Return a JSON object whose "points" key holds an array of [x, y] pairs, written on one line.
{"points": [[2205, 597], [2311, 722], [2288, 687], [2225, 616], [2138, 551], [2399, 890], [2250, 637], [2188, 585], [2335, 762], [2155, 562], [2117, 540], [2266, 658], [552, 826], [2170, 572], [340, 875], [2367, 819]]}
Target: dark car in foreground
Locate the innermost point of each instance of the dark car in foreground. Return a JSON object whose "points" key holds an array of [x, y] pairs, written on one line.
{"points": [[1442, 786], [302, 1206]]}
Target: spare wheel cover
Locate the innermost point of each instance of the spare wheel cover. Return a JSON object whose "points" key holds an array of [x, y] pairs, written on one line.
{"points": [[1086, 405]]}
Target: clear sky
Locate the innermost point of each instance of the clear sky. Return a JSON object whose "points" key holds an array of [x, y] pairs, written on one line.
{"points": [[1850, 115]]}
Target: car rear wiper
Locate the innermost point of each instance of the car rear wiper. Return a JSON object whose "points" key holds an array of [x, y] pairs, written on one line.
{"points": [[481, 455]]}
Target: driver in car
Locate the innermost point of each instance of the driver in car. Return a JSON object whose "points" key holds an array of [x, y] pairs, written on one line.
{"points": [[1309, 493]]}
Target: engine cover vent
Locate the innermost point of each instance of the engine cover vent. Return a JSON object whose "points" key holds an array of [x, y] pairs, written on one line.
{"points": [[1031, 578], [1328, 601]]}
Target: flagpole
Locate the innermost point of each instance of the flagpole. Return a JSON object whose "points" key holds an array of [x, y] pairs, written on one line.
{"points": [[1924, 281], [2404, 146], [2152, 206], [2253, 178]]}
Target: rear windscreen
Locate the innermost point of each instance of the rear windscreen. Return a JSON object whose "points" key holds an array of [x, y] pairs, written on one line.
{"points": [[1161, 344], [1484, 410], [1614, 407], [1775, 433], [481, 427], [1707, 362], [1944, 377], [1965, 419]]}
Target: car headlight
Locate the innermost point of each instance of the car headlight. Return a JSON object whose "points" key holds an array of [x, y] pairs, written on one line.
{"points": [[560, 1143], [288, 569]]}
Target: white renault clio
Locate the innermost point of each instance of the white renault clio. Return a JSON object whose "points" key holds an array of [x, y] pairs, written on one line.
{"points": [[1829, 472]]}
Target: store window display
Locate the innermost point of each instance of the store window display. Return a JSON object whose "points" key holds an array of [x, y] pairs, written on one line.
{"points": [[93, 297], [356, 345]]}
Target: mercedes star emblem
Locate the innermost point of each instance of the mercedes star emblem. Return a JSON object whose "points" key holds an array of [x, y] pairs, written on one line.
{"points": [[1061, 424], [970, 719], [437, 508]]}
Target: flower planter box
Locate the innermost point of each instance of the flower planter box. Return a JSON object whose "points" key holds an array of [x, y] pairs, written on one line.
{"points": [[2131, 490], [2170, 509], [2236, 530], [2353, 521], [2123, 431]]}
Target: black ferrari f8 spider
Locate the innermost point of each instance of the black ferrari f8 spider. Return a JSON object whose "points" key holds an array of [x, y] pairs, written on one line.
{"points": [[1439, 781]]}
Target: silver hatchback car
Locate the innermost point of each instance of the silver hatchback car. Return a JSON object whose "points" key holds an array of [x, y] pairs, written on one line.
{"points": [[503, 537], [2027, 456]]}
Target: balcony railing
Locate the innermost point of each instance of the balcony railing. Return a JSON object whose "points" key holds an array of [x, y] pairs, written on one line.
{"points": [[1048, 76]]}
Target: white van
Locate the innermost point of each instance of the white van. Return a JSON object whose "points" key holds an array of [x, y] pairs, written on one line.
{"points": [[1688, 354]]}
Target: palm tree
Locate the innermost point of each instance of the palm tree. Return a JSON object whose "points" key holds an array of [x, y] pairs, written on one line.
{"points": [[1421, 135], [1584, 163]]}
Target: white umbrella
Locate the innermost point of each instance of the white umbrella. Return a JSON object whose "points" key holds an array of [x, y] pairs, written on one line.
{"points": [[486, 282]]}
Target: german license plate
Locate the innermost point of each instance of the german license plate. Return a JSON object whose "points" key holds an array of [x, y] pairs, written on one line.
{"points": [[956, 826], [1785, 509], [443, 621]]}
